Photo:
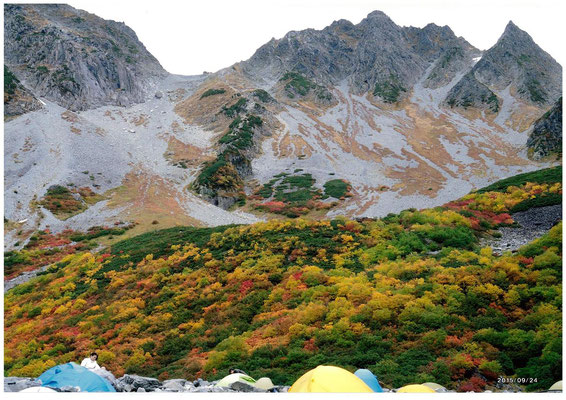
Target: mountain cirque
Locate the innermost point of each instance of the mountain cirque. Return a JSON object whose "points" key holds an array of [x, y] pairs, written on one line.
{"points": [[409, 117]]}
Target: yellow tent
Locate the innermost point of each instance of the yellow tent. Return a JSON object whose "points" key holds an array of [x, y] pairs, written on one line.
{"points": [[415, 389], [557, 387], [434, 386], [327, 379]]}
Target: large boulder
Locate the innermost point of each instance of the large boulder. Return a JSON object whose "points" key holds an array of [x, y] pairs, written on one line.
{"points": [[178, 385], [103, 372], [131, 383]]}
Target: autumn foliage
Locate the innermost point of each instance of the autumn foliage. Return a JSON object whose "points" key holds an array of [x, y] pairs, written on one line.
{"points": [[412, 297]]}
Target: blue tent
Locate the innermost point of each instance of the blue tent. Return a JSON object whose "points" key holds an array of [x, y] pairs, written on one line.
{"points": [[369, 379], [72, 374]]}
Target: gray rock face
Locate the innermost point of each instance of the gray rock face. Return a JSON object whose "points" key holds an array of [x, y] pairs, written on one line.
{"points": [[75, 58], [374, 52], [469, 92], [514, 60], [452, 61], [434, 41], [15, 384], [546, 137]]}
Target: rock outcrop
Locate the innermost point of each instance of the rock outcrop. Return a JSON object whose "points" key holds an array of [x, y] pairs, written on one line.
{"points": [[546, 137], [75, 58], [17, 99]]}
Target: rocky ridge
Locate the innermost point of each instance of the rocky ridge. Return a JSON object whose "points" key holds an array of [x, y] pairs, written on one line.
{"points": [[375, 52]]}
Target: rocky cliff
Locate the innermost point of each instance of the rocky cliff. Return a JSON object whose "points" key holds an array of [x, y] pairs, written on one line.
{"points": [[17, 99], [546, 137], [77, 59]]}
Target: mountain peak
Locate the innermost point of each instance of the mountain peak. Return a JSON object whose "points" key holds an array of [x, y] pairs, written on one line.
{"points": [[376, 14], [377, 17], [514, 32], [511, 26], [515, 59]]}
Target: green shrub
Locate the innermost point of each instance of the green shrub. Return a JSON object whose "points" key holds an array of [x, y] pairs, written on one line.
{"points": [[547, 175], [297, 83], [389, 90], [235, 108], [263, 96], [10, 81], [336, 188], [212, 92]]}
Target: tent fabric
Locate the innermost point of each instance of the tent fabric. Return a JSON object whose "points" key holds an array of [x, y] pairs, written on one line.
{"points": [[434, 386], [264, 383], [72, 374], [556, 387], [237, 377], [415, 389], [369, 379], [329, 379]]}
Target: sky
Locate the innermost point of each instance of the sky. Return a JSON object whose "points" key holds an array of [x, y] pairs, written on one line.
{"points": [[189, 37]]}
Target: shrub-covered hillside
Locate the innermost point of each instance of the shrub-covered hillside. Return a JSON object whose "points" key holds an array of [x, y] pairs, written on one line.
{"points": [[412, 297]]}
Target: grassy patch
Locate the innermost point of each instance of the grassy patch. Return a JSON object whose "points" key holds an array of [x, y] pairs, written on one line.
{"points": [[297, 83], [547, 175], [212, 92], [539, 201]]}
